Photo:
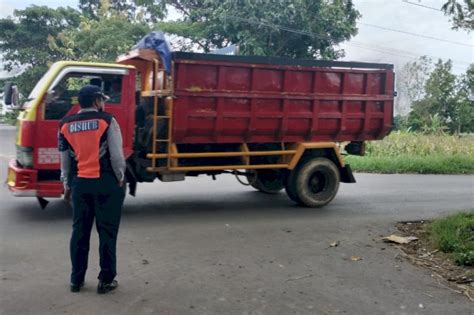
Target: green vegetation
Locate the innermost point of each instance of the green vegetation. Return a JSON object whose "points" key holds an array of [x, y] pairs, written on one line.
{"points": [[455, 234], [10, 117], [403, 152], [437, 164], [291, 28], [462, 13], [100, 30], [24, 41], [440, 101]]}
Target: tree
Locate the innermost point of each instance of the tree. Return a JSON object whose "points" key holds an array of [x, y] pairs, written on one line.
{"points": [[143, 10], [38, 36], [292, 28], [23, 39], [464, 113], [413, 77], [446, 103], [440, 89], [462, 13], [101, 39], [24, 44], [411, 82]]}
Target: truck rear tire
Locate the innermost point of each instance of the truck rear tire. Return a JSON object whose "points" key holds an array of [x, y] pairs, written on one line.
{"points": [[269, 181], [315, 184]]}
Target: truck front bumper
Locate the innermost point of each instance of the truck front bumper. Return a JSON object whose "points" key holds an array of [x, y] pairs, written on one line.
{"points": [[23, 182]]}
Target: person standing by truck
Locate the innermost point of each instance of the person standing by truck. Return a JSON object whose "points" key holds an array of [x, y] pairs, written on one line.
{"points": [[93, 173]]}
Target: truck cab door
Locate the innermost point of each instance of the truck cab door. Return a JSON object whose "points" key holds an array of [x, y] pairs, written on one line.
{"points": [[61, 101]]}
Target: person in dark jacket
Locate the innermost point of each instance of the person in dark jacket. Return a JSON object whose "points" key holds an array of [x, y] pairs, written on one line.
{"points": [[93, 173]]}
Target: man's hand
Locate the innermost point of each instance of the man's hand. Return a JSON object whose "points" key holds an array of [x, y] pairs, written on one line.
{"points": [[67, 194]]}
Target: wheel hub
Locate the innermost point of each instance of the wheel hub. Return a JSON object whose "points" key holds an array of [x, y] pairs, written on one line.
{"points": [[317, 182]]}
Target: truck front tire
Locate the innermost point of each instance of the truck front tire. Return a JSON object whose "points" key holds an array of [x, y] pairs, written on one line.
{"points": [[315, 183]]}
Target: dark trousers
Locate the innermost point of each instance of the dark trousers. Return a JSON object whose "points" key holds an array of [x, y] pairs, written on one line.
{"points": [[102, 199]]}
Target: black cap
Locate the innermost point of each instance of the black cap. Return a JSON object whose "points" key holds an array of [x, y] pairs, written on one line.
{"points": [[91, 91]]}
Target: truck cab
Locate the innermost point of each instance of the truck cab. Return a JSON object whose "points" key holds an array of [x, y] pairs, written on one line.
{"points": [[36, 169]]}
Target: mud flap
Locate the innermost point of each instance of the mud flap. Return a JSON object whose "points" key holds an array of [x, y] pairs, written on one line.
{"points": [[131, 180], [43, 202], [132, 188], [346, 174]]}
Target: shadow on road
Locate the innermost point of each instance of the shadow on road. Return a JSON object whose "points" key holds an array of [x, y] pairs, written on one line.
{"points": [[182, 206], [29, 210], [242, 203]]}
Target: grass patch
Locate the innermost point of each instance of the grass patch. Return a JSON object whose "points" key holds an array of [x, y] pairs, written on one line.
{"points": [[455, 234], [403, 152], [433, 164]]}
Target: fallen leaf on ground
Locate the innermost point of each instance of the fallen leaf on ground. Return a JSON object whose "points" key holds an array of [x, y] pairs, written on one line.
{"points": [[334, 244], [356, 258], [399, 239]]}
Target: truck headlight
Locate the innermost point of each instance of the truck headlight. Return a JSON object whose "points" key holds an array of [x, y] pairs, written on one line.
{"points": [[24, 156]]}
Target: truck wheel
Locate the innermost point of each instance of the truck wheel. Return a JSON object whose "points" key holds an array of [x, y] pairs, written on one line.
{"points": [[290, 187], [316, 183], [268, 181]]}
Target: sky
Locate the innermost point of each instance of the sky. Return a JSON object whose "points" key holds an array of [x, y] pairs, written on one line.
{"points": [[374, 43], [380, 45]]}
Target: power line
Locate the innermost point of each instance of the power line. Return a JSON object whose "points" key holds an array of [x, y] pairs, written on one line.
{"points": [[382, 51], [422, 5], [416, 34], [387, 50], [409, 57], [402, 53], [321, 36]]}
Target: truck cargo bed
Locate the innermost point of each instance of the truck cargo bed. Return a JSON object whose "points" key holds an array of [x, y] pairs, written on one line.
{"points": [[237, 99]]}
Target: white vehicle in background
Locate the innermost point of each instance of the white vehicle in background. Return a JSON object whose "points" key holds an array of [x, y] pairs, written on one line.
{"points": [[7, 102], [3, 106]]}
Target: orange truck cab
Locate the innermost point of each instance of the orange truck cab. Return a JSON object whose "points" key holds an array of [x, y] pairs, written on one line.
{"points": [[276, 121]]}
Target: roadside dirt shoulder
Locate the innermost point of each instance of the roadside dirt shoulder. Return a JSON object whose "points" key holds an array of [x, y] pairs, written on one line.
{"points": [[422, 253]]}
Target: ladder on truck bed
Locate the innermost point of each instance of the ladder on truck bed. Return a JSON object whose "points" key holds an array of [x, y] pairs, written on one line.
{"points": [[164, 155], [170, 159], [162, 118]]}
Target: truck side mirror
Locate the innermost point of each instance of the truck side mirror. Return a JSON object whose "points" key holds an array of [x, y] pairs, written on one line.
{"points": [[7, 93], [11, 95]]}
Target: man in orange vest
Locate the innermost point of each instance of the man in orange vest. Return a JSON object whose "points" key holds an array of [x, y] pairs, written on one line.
{"points": [[93, 172]]}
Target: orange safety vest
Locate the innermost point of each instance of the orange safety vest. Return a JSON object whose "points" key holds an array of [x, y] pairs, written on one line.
{"points": [[84, 134]]}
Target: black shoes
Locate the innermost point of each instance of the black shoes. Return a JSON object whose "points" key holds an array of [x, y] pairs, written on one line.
{"points": [[76, 287], [105, 287], [102, 288]]}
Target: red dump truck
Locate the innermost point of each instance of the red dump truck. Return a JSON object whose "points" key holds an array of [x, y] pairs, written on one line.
{"points": [[278, 122]]}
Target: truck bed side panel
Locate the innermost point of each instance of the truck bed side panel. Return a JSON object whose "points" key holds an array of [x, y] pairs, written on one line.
{"points": [[235, 102]]}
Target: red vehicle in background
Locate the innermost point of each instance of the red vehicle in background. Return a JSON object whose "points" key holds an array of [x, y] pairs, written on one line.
{"points": [[276, 121]]}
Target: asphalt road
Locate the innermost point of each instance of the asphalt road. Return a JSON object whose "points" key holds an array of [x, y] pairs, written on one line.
{"points": [[216, 247]]}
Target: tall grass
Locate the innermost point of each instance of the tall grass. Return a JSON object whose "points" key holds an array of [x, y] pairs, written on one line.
{"points": [[404, 143], [403, 152]]}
